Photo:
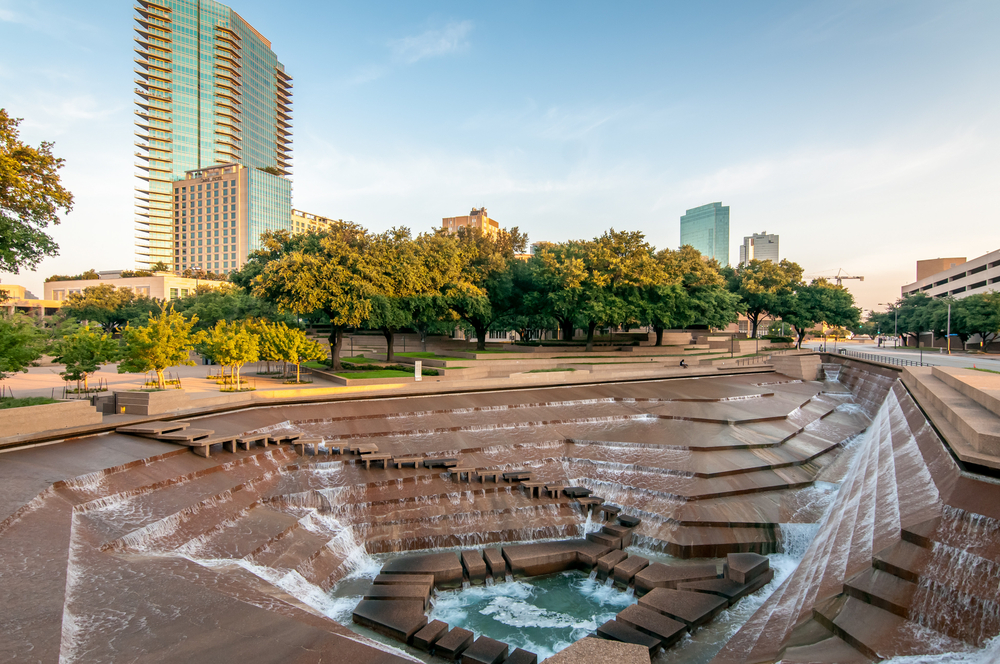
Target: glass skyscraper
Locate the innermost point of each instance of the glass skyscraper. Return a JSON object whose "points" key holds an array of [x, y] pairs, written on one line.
{"points": [[706, 228], [210, 91]]}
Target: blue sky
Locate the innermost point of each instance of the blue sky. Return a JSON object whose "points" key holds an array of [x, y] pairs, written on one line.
{"points": [[865, 133]]}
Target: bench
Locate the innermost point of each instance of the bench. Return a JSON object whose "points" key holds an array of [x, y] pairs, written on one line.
{"points": [[608, 511], [517, 475], [554, 489], [246, 440], [534, 488], [576, 491], [375, 456], [152, 428], [185, 435], [280, 438], [440, 463], [301, 443], [589, 502], [464, 470], [399, 462], [362, 448], [485, 472]]}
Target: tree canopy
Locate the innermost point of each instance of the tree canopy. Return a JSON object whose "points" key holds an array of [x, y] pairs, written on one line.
{"points": [[165, 341], [21, 344], [761, 287], [31, 196]]}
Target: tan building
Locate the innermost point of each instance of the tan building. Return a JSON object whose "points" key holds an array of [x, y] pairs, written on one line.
{"points": [[159, 285], [15, 299], [303, 222], [477, 218], [930, 267], [220, 213]]}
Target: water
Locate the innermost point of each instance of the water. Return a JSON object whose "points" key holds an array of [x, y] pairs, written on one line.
{"points": [[542, 614]]}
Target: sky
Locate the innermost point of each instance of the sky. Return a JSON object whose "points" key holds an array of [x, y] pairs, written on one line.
{"points": [[865, 134]]}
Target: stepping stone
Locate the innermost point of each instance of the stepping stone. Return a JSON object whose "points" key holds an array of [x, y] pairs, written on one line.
{"points": [[619, 631], [607, 562], [551, 557], [517, 475], [621, 532], [626, 570], [152, 428], [453, 644], [745, 567], [576, 491], [629, 521], [659, 575], [589, 650], [522, 657], [428, 636], [399, 592], [609, 511], [657, 625], [496, 563], [475, 566], [397, 619], [485, 651], [732, 591], [422, 580], [446, 567], [440, 463], [605, 540], [693, 609], [185, 435]]}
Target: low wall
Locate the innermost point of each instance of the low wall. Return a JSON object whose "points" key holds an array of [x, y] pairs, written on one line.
{"points": [[802, 367], [48, 417]]}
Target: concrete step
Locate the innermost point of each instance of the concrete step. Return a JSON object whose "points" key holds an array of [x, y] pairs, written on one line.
{"points": [[242, 537], [882, 589], [290, 550]]}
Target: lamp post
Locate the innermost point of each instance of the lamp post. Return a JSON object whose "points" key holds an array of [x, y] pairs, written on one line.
{"points": [[949, 328]]}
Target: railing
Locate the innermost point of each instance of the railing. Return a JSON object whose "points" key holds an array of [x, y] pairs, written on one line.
{"points": [[872, 357], [747, 361]]}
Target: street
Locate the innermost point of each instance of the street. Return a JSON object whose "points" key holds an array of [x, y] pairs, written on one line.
{"points": [[930, 357]]}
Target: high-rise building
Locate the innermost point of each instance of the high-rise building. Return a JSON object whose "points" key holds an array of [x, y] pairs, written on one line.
{"points": [[210, 91], [477, 218], [303, 222], [220, 213], [759, 246], [706, 228]]}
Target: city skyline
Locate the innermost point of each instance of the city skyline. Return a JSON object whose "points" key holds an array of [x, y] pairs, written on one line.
{"points": [[870, 117]]}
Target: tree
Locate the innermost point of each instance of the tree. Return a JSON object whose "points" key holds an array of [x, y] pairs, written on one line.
{"points": [[913, 319], [229, 303], [31, 195], [761, 285], [557, 273], [232, 345], [111, 308], [483, 295], [980, 314], [818, 302], [691, 291], [321, 272], [83, 351], [21, 344], [165, 341], [294, 346], [396, 273]]}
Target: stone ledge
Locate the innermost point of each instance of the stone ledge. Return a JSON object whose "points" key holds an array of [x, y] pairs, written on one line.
{"points": [[48, 417]]}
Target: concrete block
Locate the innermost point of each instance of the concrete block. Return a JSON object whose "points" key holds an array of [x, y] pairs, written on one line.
{"points": [[745, 567], [619, 631], [453, 644], [691, 608], [658, 575], [485, 651], [446, 567], [398, 620], [475, 566], [654, 623], [428, 636], [626, 570]]}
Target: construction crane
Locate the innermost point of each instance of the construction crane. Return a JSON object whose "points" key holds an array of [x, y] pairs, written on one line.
{"points": [[841, 275]]}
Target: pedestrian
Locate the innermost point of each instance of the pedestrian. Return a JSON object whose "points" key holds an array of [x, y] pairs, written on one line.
{"points": [[684, 364]]}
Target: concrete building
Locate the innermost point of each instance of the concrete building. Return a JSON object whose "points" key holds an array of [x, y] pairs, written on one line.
{"points": [[209, 91], [16, 299], [979, 275], [303, 222], [157, 285], [759, 246], [932, 266], [477, 218], [706, 228], [220, 213]]}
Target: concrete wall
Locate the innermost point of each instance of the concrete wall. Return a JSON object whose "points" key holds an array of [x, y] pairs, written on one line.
{"points": [[48, 417]]}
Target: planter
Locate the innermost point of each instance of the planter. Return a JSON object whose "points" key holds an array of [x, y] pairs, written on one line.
{"points": [[151, 403], [48, 417]]}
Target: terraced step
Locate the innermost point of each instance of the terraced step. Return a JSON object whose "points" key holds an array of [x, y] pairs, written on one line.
{"points": [[289, 549], [241, 537], [882, 589]]}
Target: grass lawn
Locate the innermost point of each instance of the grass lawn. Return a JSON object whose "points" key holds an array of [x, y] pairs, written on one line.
{"points": [[428, 356], [986, 370], [549, 370], [488, 350], [25, 401], [387, 373]]}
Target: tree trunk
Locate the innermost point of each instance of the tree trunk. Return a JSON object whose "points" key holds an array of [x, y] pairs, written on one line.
{"points": [[86, 385], [336, 342], [800, 334], [298, 373], [659, 335], [389, 337], [480, 336], [566, 326], [754, 319], [590, 335], [159, 380]]}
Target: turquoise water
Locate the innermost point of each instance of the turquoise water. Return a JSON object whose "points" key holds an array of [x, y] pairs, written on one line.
{"points": [[542, 614]]}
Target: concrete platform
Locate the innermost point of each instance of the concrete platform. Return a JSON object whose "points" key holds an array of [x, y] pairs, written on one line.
{"points": [[422, 580], [445, 567], [727, 588], [496, 563], [692, 608], [399, 620], [429, 634], [626, 570], [485, 651], [475, 566], [607, 562], [520, 656], [657, 625], [453, 644], [619, 631], [658, 575], [598, 651], [399, 592], [745, 567]]}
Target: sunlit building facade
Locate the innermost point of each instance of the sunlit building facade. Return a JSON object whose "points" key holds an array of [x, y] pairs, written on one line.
{"points": [[706, 228], [210, 91]]}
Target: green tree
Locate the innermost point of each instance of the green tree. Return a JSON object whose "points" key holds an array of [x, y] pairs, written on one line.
{"points": [[294, 346], [761, 285], [31, 195], [397, 274], [818, 302], [165, 341], [322, 272], [484, 294], [913, 316], [232, 345], [690, 291], [229, 303], [557, 274], [111, 308], [83, 351], [980, 315], [21, 344]]}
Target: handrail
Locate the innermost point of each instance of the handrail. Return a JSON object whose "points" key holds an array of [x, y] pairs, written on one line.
{"points": [[871, 357]]}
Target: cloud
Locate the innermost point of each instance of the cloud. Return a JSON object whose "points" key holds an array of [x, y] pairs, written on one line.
{"points": [[432, 43]]}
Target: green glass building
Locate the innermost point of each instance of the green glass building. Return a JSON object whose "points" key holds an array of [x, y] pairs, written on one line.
{"points": [[706, 228], [209, 91]]}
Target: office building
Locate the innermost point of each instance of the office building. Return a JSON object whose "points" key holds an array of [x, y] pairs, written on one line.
{"points": [[156, 285], [760, 247], [210, 91], [220, 213], [706, 228], [932, 266], [477, 218], [303, 222], [960, 279]]}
